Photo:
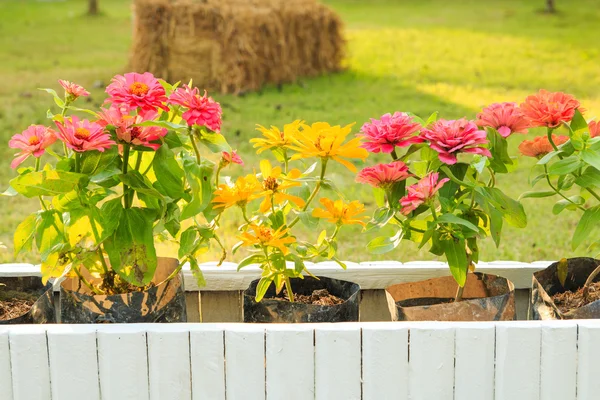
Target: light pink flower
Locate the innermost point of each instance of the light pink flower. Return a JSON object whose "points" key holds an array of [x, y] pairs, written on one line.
{"points": [[383, 175], [33, 141], [383, 135], [73, 90], [506, 118], [455, 136], [134, 90], [594, 128], [421, 192], [233, 157], [201, 110], [83, 135], [127, 133]]}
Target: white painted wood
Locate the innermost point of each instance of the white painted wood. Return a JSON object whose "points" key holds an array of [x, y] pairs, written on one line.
{"points": [[169, 362], [558, 378], [207, 350], [5, 373], [73, 362], [123, 362], [18, 269], [290, 362], [245, 362], [431, 362], [518, 348], [337, 362], [385, 361], [588, 384], [474, 361], [29, 362]]}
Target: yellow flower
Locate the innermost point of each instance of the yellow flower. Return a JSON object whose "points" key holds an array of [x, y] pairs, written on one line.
{"points": [[245, 189], [339, 213], [274, 138], [274, 182], [323, 141], [265, 236]]}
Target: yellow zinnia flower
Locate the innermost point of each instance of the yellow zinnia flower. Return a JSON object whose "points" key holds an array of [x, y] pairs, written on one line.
{"points": [[246, 188], [273, 184], [340, 213], [265, 236], [324, 141], [274, 138]]}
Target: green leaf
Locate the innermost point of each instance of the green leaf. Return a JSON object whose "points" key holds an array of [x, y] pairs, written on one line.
{"points": [[395, 193], [588, 221], [196, 272], [454, 219], [511, 210], [432, 118], [453, 178], [562, 204], [308, 220], [91, 161], [10, 192], [565, 166], [253, 259], [168, 173], [381, 217], [162, 124], [379, 196], [384, 244], [537, 195], [50, 233], [562, 270], [479, 163], [111, 212], [215, 142], [578, 122], [25, 232], [499, 149], [456, 255], [140, 184], [591, 157], [589, 178], [262, 287], [199, 177], [57, 99], [188, 241], [46, 183]]}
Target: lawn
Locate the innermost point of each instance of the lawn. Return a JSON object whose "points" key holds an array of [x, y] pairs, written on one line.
{"points": [[418, 56]]}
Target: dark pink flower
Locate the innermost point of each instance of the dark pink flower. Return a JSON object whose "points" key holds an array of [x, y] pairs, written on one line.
{"points": [[201, 110], [228, 158], [134, 90], [421, 192], [383, 175], [455, 136], [33, 141], [127, 132], [383, 135], [83, 135], [72, 90], [594, 128], [506, 118]]}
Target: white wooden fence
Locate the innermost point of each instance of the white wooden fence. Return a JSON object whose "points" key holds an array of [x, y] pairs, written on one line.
{"points": [[374, 361]]}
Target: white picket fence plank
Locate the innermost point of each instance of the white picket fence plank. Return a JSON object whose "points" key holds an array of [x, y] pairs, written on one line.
{"points": [[207, 350], [290, 358], [558, 378], [5, 372], [29, 363], [338, 362], [474, 361], [245, 362], [170, 373], [385, 361], [518, 360], [123, 363], [431, 362], [588, 384], [73, 362]]}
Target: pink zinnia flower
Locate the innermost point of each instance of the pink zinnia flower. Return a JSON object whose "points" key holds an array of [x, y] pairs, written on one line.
{"points": [[83, 135], [127, 133], [33, 141], [201, 110], [550, 109], [421, 192], [383, 175], [383, 135], [594, 128], [455, 136], [228, 158], [506, 118], [135, 90], [73, 90]]}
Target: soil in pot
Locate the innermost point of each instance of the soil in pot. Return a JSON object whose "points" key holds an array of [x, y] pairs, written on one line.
{"points": [[311, 302], [25, 300]]}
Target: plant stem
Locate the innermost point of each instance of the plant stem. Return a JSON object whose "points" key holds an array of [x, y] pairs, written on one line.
{"points": [[459, 294], [245, 216], [62, 114], [558, 191], [285, 161], [85, 282], [589, 280], [394, 155], [194, 145], [77, 162], [37, 168], [433, 213], [125, 166], [217, 175], [550, 130], [288, 286], [223, 250], [100, 252], [314, 192]]}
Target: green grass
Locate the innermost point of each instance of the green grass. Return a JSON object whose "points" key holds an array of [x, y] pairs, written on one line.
{"points": [[417, 56]]}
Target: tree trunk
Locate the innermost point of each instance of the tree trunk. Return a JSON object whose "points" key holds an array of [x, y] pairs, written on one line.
{"points": [[550, 6], [93, 7]]}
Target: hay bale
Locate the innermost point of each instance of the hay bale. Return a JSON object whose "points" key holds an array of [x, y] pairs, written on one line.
{"points": [[235, 45]]}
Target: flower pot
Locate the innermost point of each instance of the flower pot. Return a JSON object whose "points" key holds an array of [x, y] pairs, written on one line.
{"points": [[42, 311], [546, 284], [163, 302], [283, 311], [485, 298]]}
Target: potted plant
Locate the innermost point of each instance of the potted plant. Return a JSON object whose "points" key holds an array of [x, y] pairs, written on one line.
{"points": [[453, 203], [129, 176], [273, 202], [569, 165]]}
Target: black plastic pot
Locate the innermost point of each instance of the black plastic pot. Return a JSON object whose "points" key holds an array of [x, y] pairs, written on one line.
{"points": [[42, 311], [485, 298], [283, 311], [164, 302], [546, 284]]}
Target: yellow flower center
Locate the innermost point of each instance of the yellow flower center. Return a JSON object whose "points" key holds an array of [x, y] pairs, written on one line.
{"points": [[138, 88], [82, 133], [34, 140], [264, 234], [270, 184]]}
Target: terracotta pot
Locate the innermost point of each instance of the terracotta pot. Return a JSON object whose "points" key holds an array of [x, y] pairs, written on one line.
{"points": [[164, 302], [546, 284], [42, 311], [485, 298], [283, 311]]}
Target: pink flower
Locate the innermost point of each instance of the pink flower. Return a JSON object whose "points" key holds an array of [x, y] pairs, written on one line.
{"points": [[73, 90], [550, 109], [228, 158], [421, 192], [594, 128], [33, 141], [201, 110], [127, 133], [455, 136], [506, 118], [135, 90], [385, 134], [383, 175], [83, 135]]}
